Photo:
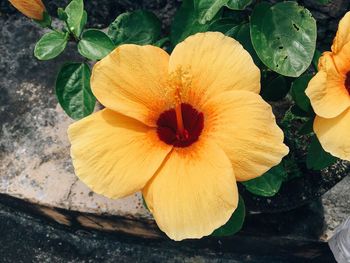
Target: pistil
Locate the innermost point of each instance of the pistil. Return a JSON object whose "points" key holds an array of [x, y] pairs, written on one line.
{"points": [[181, 131]]}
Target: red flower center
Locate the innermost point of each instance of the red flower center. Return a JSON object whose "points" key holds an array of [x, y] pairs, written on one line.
{"points": [[347, 81], [192, 122]]}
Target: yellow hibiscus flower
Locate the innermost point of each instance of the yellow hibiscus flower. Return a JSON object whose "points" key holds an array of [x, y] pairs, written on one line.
{"points": [[31, 8], [180, 128], [329, 91]]}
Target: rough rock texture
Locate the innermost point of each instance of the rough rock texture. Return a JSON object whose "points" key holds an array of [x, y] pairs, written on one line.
{"points": [[34, 148]]}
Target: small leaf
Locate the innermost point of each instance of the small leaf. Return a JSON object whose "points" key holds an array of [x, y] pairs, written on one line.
{"points": [[73, 90], [75, 14], [269, 183], [95, 44], [317, 158], [62, 15], [234, 224], [161, 42], [286, 39], [274, 89], [50, 45], [316, 58], [238, 4], [138, 27], [298, 92]]}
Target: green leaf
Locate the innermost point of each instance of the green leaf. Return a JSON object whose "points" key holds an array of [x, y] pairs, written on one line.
{"points": [[274, 89], [307, 127], [316, 58], [207, 9], [238, 4], [82, 24], [73, 90], [234, 224], [62, 15], [75, 15], [298, 92], [138, 27], [223, 25], [242, 35], [95, 44], [284, 37], [161, 42], [324, 1], [50, 45], [193, 17], [317, 158], [269, 183]]}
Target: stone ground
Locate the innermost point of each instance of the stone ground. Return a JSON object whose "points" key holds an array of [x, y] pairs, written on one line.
{"points": [[35, 165]]}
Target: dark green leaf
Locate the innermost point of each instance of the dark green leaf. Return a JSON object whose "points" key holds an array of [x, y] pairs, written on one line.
{"points": [[292, 167], [73, 90], [269, 183], [234, 224], [299, 112], [61, 14], [238, 4], [50, 45], [274, 89], [298, 92], [161, 42], [223, 25], [324, 1], [192, 17], [307, 128], [95, 44], [138, 27], [242, 35], [284, 37], [316, 58], [75, 15], [317, 158]]}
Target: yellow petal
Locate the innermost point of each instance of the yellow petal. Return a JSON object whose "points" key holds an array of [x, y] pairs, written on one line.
{"points": [[343, 34], [333, 134], [342, 60], [194, 192], [114, 154], [132, 80], [31, 8], [215, 63], [243, 125], [326, 90]]}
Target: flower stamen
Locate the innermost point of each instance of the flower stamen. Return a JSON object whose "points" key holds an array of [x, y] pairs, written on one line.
{"points": [[181, 133]]}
